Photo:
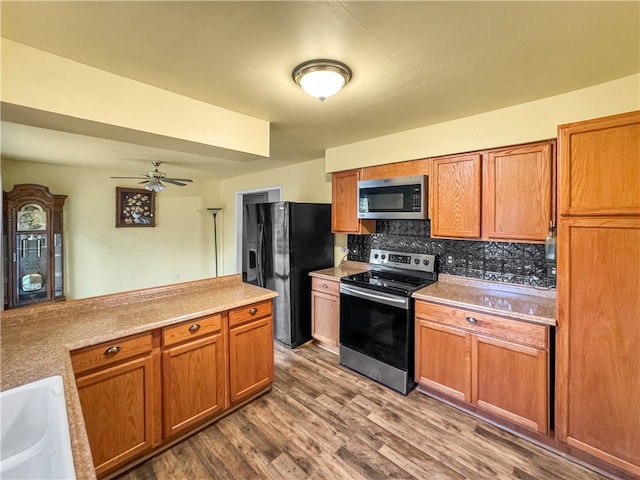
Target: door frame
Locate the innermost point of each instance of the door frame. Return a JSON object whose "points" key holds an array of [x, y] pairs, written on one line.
{"points": [[274, 194]]}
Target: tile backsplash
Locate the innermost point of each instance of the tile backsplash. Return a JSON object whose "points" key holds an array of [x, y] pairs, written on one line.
{"points": [[509, 262]]}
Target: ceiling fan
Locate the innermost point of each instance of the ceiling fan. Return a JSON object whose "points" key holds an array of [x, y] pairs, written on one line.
{"points": [[154, 179]]}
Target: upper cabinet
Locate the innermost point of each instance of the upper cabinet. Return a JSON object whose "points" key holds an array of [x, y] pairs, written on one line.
{"points": [[455, 196], [399, 169], [504, 194], [344, 205], [600, 172], [517, 192]]}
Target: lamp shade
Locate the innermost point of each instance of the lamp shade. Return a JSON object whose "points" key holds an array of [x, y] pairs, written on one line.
{"points": [[322, 78]]}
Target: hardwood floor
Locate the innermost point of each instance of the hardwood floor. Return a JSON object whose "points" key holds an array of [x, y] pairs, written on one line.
{"points": [[322, 421]]}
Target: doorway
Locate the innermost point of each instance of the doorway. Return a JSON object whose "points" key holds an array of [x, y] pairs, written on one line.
{"points": [[263, 195]]}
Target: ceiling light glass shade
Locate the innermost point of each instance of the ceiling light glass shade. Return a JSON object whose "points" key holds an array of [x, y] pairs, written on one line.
{"points": [[155, 186], [322, 78]]}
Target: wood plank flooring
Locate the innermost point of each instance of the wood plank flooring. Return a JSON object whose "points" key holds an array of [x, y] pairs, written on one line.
{"points": [[322, 421]]}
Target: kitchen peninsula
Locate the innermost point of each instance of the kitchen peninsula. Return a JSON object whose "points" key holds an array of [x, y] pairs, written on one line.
{"points": [[162, 328]]}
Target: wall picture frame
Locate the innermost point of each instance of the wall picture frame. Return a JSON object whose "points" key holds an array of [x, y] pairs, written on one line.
{"points": [[135, 207]]}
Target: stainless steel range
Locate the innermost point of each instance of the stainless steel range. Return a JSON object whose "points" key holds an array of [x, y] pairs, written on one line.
{"points": [[377, 316]]}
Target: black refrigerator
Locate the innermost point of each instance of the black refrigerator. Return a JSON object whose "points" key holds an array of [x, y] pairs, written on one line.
{"points": [[281, 243]]}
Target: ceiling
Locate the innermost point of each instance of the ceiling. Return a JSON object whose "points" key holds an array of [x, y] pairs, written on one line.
{"points": [[414, 64]]}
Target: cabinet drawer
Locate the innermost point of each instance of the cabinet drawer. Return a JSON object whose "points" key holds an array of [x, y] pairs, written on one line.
{"points": [[250, 312], [326, 286], [192, 329], [484, 324], [108, 353]]}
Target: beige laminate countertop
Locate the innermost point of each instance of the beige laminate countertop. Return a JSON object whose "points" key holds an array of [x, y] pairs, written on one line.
{"points": [[36, 341], [513, 301], [346, 268]]}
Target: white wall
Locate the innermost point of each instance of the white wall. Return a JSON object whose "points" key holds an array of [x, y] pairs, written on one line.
{"points": [[508, 126], [302, 182], [101, 258]]}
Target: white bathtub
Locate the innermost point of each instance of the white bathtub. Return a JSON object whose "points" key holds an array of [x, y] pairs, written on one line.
{"points": [[34, 439]]}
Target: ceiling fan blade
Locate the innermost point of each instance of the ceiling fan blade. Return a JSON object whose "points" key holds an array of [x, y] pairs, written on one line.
{"points": [[188, 180], [173, 181], [136, 178], [144, 181]]}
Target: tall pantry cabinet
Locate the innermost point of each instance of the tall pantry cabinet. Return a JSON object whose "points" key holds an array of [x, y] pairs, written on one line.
{"points": [[598, 349]]}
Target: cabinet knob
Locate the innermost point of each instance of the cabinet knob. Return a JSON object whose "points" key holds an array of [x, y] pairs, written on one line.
{"points": [[324, 285], [471, 320], [253, 311], [194, 328], [112, 350]]}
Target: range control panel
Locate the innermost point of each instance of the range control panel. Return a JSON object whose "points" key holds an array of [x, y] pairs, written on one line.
{"points": [[412, 261]]}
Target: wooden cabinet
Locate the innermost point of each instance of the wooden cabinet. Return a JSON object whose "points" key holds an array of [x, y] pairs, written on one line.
{"points": [[118, 393], [250, 350], [599, 170], [503, 194], [194, 369], [455, 196], [141, 392], [399, 169], [499, 366], [517, 192], [598, 359], [325, 313], [344, 205], [598, 365]]}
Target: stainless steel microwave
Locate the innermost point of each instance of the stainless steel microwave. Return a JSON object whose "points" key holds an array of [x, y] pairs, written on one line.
{"points": [[393, 198]]}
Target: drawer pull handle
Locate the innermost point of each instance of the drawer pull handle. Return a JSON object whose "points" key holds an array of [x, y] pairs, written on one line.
{"points": [[324, 285], [112, 350], [194, 328], [253, 311], [471, 320]]}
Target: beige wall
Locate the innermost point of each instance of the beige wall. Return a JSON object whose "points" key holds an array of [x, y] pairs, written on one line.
{"points": [[303, 182], [508, 126], [102, 259]]}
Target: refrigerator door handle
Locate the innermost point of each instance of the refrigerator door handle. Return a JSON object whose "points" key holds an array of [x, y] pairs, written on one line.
{"points": [[260, 255]]}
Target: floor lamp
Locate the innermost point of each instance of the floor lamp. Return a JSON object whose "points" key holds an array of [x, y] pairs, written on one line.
{"points": [[214, 212]]}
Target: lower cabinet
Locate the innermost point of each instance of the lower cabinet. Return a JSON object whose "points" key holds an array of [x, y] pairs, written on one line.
{"points": [[140, 392], [499, 366], [194, 366], [325, 313], [250, 350], [116, 386]]}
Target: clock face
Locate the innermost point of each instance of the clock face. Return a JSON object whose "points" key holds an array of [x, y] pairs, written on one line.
{"points": [[31, 217]]}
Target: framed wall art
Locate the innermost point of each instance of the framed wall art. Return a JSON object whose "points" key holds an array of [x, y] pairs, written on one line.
{"points": [[135, 207]]}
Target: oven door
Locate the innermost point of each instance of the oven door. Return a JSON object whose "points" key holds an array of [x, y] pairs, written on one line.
{"points": [[378, 325]]}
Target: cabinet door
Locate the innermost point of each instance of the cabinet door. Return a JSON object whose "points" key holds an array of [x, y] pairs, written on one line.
{"points": [[511, 381], [455, 196], [443, 359], [250, 358], [117, 405], [193, 382], [598, 167], [325, 319], [344, 204], [598, 364], [517, 193]]}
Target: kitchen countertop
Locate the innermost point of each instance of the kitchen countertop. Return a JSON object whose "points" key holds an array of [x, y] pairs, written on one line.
{"points": [[36, 340], [514, 301], [345, 269]]}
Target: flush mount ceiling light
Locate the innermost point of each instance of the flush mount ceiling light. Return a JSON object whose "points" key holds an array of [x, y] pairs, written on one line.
{"points": [[321, 78]]}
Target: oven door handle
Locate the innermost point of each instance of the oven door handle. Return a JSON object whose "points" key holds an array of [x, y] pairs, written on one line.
{"points": [[374, 296]]}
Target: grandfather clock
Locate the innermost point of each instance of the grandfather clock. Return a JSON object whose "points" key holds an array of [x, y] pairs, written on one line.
{"points": [[33, 259]]}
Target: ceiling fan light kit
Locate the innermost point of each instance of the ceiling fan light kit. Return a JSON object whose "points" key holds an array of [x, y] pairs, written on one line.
{"points": [[321, 78], [153, 180]]}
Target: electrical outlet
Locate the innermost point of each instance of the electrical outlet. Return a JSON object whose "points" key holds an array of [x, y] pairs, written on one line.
{"points": [[450, 260], [176, 277]]}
